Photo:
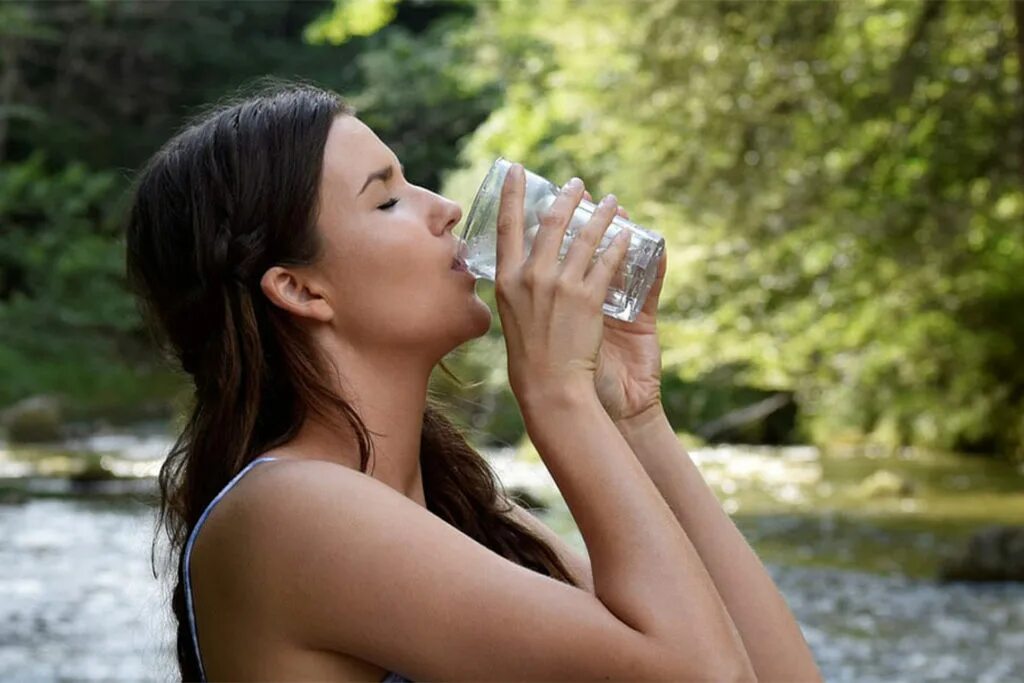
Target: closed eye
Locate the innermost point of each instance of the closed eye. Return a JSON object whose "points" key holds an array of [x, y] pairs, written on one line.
{"points": [[388, 204]]}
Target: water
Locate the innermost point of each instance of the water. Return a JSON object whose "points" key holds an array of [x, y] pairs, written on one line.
{"points": [[630, 284], [79, 604], [78, 601], [797, 505]]}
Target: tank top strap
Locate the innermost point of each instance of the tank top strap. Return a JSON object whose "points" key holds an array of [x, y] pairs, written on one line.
{"points": [[188, 554]]}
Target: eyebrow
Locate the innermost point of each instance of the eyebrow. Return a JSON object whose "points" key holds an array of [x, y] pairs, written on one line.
{"points": [[383, 174]]}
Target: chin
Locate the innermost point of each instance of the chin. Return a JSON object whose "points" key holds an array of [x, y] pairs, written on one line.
{"points": [[482, 318]]}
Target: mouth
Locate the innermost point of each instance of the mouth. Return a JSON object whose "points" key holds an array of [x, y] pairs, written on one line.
{"points": [[458, 258]]}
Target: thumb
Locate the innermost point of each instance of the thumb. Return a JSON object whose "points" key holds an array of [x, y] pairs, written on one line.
{"points": [[651, 304]]}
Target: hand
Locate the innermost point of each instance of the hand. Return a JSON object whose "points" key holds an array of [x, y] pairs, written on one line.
{"points": [[628, 373], [551, 312]]}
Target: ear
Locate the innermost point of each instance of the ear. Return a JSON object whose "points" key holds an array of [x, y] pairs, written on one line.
{"points": [[297, 293]]}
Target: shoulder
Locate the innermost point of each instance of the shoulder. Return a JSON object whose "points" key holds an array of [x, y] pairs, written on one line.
{"points": [[281, 507], [343, 563], [322, 485], [280, 495], [291, 519]]}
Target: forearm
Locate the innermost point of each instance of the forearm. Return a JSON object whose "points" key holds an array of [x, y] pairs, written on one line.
{"points": [[770, 633], [645, 569]]}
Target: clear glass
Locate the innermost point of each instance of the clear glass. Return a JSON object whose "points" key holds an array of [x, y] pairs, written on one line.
{"points": [[630, 284]]}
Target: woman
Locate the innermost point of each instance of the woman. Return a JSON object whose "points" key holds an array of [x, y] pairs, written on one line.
{"points": [[308, 289]]}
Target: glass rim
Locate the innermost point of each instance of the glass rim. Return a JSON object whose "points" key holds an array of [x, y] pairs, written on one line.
{"points": [[500, 163]]}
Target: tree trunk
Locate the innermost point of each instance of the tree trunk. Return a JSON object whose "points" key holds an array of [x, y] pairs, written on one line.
{"points": [[1018, 16]]}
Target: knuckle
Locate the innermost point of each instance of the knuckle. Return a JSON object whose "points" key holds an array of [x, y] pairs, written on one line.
{"points": [[502, 289], [504, 223], [532, 279], [612, 254], [589, 238], [567, 289], [555, 216], [597, 276], [572, 287]]}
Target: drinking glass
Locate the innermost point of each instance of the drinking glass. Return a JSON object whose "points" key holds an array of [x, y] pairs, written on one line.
{"points": [[631, 282]]}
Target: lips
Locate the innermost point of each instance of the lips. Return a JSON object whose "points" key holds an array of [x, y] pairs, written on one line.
{"points": [[458, 258]]}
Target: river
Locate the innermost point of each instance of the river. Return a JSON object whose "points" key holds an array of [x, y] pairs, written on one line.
{"points": [[79, 601]]}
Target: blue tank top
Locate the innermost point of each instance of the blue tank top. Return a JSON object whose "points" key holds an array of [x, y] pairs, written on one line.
{"points": [[391, 677]]}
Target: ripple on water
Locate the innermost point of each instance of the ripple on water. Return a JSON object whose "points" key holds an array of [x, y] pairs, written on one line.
{"points": [[89, 610], [866, 627]]}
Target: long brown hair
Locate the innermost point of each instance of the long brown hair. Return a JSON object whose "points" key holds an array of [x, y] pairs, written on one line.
{"points": [[233, 193]]}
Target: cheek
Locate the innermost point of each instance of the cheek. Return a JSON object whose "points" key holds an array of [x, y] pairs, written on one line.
{"points": [[387, 287]]}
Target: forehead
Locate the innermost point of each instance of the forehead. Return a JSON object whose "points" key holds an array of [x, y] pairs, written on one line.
{"points": [[352, 152]]}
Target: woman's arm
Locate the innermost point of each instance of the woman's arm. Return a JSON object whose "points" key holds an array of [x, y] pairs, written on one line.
{"points": [[359, 568], [651, 574], [770, 633], [577, 563]]}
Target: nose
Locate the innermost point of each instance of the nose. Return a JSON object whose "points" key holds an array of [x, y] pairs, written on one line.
{"points": [[450, 212]]}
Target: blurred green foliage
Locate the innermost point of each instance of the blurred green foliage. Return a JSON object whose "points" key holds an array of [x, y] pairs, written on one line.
{"points": [[840, 184], [349, 18], [67, 325], [84, 101]]}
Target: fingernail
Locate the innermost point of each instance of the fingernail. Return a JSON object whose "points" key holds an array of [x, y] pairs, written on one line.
{"points": [[573, 184], [608, 199]]}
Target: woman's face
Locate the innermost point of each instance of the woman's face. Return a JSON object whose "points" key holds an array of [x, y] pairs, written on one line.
{"points": [[387, 252]]}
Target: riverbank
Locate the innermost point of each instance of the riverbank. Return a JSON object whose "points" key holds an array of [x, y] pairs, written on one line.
{"points": [[895, 513]]}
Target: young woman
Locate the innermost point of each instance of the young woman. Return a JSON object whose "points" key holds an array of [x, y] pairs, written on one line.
{"points": [[309, 289]]}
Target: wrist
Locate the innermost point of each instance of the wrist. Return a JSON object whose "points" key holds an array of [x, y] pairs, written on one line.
{"points": [[650, 419], [543, 400]]}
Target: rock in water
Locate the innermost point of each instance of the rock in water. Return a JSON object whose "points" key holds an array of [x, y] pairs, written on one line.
{"points": [[992, 554], [886, 484], [34, 420]]}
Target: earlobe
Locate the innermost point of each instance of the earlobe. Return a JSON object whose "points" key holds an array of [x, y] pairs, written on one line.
{"points": [[296, 294], [323, 311]]}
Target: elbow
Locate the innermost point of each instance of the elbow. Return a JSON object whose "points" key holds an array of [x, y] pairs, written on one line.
{"points": [[724, 667], [735, 669]]}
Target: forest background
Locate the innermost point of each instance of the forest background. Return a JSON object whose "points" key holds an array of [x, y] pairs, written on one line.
{"points": [[841, 186]]}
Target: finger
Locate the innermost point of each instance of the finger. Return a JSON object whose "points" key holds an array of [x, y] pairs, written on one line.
{"points": [[553, 224], [622, 212], [510, 220], [586, 193], [651, 303], [608, 263], [581, 251]]}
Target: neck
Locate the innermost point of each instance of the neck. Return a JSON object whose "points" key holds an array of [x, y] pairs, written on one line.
{"points": [[388, 390]]}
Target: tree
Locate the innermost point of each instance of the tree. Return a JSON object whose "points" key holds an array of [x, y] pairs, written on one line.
{"points": [[839, 185]]}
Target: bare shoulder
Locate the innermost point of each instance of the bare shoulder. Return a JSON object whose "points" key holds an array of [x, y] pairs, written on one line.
{"points": [[358, 568], [318, 473]]}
